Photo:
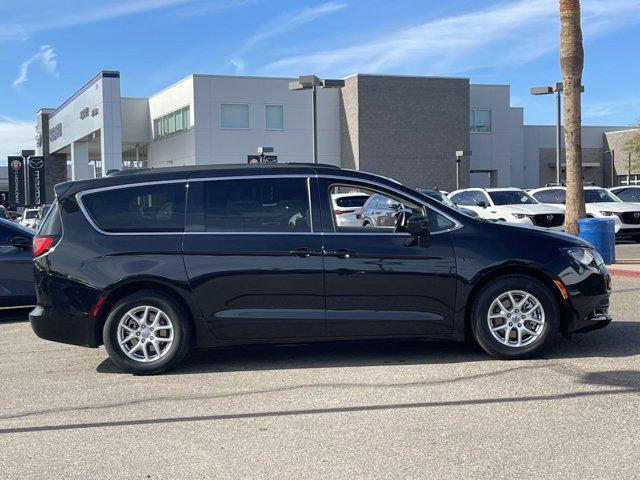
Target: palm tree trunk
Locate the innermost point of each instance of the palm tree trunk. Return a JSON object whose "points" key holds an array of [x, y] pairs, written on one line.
{"points": [[571, 61]]}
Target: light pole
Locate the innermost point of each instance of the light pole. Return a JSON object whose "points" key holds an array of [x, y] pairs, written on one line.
{"points": [[459, 155], [611, 152], [311, 82], [557, 89]]}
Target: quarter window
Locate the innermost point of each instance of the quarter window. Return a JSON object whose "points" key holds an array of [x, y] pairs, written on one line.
{"points": [[234, 116], [274, 116], [259, 205], [149, 208], [480, 120]]}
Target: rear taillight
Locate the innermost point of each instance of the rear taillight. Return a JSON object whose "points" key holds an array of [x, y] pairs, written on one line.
{"points": [[41, 245]]}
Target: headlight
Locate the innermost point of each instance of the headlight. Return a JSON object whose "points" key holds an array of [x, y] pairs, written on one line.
{"points": [[606, 214], [519, 215], [586, 257]]}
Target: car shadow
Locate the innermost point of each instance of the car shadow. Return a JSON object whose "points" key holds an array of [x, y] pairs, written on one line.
{"points": [[620, 339], [14, 316]]}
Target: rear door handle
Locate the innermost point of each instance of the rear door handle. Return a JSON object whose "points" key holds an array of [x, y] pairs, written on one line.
{"points": [[305, 252], [341, 253]]}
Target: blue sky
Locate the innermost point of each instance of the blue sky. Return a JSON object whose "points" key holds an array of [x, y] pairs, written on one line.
{"points": [[49, 49]]}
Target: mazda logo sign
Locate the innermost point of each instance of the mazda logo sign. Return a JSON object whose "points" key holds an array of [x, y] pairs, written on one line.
{"points": [[36, 163], [636, 215], [549, 217]]}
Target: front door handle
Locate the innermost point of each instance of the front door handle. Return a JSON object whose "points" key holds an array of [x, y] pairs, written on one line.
{"points": [[305, 252], [341, 253]]}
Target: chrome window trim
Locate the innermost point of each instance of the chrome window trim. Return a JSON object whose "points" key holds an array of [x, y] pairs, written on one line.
{"points": [[308, 176], [17, 307]]}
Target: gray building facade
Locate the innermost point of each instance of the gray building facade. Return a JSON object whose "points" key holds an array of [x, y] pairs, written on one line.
{"points": [[407, 128]]}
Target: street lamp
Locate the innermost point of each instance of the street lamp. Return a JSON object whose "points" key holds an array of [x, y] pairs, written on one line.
{"points": [[311, 82], [613, 165], [557, 89], [459, 155]]}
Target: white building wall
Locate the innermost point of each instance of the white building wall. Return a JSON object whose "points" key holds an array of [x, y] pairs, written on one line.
{"points": [[292, 144], [101, 96], [177, 149], [136, 124], [502, 148]]}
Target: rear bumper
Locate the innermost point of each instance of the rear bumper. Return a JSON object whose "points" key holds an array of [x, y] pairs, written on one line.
{"points": [[64, 328]]}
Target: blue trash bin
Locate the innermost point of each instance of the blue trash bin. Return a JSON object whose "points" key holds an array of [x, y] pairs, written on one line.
{"points": [[601, 233]]}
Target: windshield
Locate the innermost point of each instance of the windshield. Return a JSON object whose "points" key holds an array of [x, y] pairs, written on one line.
{"points": [[598, 195], [511, 197], [439, 196]]}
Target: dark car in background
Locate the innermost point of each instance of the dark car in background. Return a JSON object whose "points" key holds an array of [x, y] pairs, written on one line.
{"points": [[154, 263], [16, 266], [442, 198]]}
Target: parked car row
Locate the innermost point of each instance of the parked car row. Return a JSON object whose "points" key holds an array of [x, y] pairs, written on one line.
{"points": [[544, 207]]}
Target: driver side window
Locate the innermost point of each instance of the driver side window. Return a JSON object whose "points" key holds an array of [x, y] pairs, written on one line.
{"points": [[378, 212]]}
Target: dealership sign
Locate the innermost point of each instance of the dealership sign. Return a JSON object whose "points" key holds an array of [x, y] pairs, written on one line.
{"points": [[16, 182], [36, 176], [55, 132]]}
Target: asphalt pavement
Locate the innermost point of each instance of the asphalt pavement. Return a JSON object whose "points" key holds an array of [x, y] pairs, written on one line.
{"points": [[363, 410]]}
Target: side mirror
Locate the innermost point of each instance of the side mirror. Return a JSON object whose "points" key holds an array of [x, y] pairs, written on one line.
{"points": [[22, 242], [394, 205], [482, 204], [418, 225]]}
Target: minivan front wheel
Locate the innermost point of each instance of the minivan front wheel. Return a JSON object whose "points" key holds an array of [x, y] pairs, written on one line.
{"points": [[146, 333], [515, 317]]}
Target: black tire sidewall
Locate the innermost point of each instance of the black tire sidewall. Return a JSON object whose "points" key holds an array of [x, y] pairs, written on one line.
{"points": [[490, 292], [181, 332]]}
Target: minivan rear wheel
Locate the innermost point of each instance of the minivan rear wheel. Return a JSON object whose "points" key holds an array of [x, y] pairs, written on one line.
{"points": [[515, 317], [147, 333]]}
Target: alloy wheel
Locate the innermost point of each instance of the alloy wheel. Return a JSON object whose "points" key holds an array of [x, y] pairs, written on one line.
{"points": [[516, 318], [145, 333]]}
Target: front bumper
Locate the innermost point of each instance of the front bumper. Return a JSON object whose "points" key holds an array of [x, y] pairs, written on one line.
{"points": [[64, 328], [589, 301]]}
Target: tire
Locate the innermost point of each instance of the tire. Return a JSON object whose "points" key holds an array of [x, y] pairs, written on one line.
{"points": [[162, 346], [519, 344]]}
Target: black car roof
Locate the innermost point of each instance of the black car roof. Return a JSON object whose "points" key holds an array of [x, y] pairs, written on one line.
{"points": [[126, 177]]}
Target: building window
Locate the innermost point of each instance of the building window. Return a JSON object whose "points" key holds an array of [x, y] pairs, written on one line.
{"points": [[174, 122], [274, 115], [633, 179], [480, 121], [233, 115]]}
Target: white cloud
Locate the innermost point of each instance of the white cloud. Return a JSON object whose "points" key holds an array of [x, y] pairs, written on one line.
{"points": [[290, 21], [240, 65], [15, 135], [602, 110], [45, 57], [510, 33], [54, 15]]}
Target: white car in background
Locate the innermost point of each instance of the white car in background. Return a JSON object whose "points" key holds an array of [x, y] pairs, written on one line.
{"points": [[599, 203], [345, 206], [511, 205], [29, 218], [627, 194]]}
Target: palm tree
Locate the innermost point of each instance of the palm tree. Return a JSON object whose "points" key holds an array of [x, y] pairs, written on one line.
{"points": [[571, 61]]}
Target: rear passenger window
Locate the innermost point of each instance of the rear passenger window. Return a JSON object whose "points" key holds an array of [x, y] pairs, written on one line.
{"points": [[257, 205], [148, 208]]}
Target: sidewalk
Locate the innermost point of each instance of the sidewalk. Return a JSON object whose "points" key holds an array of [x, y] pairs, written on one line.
{"points": [[626, 267]]}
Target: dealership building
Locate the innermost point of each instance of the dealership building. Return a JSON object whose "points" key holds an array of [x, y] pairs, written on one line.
{"points": [[405, 127]]}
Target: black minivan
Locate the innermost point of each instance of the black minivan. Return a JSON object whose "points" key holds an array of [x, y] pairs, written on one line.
{"points": [[155, 262]]}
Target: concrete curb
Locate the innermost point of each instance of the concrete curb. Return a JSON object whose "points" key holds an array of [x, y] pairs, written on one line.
{"points": [[621, 272]]}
